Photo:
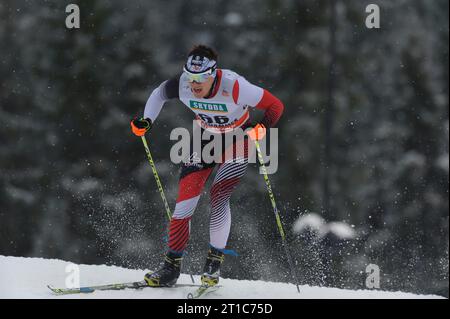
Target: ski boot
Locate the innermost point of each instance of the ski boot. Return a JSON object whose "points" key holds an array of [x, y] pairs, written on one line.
{"points": [[211, 271], [168, 275]]}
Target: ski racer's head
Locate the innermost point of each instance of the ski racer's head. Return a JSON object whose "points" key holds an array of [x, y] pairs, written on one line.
{"points": [[201, 70]]}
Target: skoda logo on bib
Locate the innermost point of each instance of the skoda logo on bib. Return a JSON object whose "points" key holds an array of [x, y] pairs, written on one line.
{"points": [[208, 107]]}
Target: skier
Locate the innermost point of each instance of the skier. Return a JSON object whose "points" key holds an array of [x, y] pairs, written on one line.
{"points": [[221, 100]]}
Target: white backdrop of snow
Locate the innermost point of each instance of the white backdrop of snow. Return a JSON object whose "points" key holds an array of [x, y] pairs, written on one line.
{"points": [[28, 278]]}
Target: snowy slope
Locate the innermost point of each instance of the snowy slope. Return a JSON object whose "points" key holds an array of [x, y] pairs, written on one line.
{"points": [[28, 278]]}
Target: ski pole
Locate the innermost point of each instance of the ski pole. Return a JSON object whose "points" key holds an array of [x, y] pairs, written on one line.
{"points": [[277, 215], [158, 182]]}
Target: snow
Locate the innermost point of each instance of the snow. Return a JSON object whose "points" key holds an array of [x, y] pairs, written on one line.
{"points": [[443, 162], [233, 19], [20, 195], [312, 222], [316, 224], [28, 277], [342, 230]]}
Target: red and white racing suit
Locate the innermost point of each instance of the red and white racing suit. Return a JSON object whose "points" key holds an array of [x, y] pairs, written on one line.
{"points": [[226, 107]]}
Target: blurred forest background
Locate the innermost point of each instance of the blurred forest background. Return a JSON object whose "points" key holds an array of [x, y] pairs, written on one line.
{"points": [[364, 141]]}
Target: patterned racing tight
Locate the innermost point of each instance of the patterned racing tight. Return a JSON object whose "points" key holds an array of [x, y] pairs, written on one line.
{"points": [[231, 168]]}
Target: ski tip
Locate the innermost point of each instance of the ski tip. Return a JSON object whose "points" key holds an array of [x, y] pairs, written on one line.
{"points": [[53, 289]]}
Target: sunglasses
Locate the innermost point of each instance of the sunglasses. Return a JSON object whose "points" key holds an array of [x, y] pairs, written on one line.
{"points": [[200, 77]]}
